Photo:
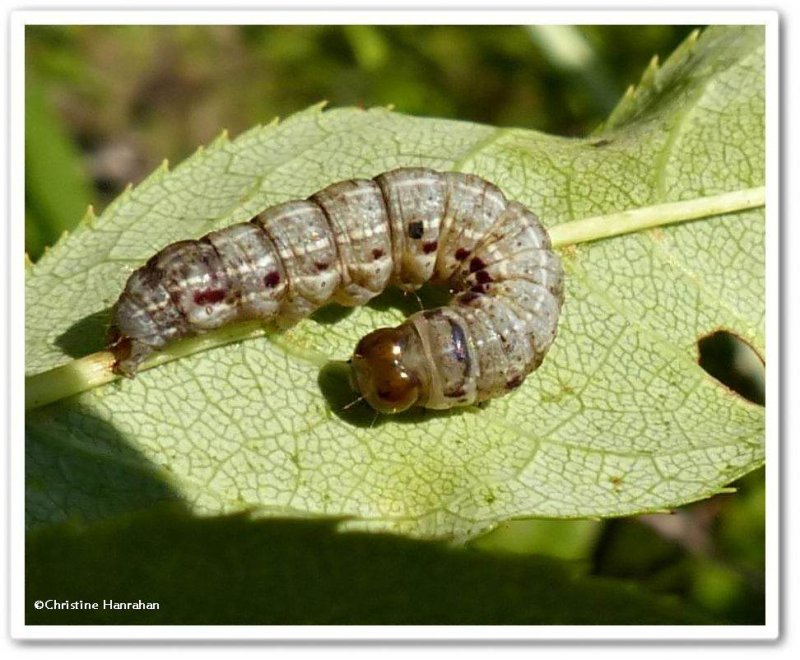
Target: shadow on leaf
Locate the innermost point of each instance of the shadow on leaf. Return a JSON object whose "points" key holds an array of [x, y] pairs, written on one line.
{"points": [[79, 467], [332, 313], [87, 335], [237, 570]]}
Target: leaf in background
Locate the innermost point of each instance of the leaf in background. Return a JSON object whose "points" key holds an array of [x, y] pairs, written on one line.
{"points": [[620, 419], [57, 187], [573, 540], [303, 572]]}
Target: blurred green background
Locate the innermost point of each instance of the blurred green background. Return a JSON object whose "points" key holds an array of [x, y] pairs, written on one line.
{"points": [[106, 104]]}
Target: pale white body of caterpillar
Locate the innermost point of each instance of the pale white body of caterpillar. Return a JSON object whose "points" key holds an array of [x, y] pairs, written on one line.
{"points": [[346, 244]]}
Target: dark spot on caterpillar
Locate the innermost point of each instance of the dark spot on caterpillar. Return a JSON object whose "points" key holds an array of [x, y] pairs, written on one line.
{"points": [[514, 383], [460, 351], [272, 279], [468, 297], [209, 296], [321, 265], [377, 253], [483, 277], [458, 393], [416, 229], [478, 288], [210, 260], [462, 253], [476, 264], [151, 274], [432, 313], [429, 247]]}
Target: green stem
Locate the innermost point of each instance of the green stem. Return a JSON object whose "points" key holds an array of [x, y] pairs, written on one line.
{"points": [[96, 369], [660, 215]]}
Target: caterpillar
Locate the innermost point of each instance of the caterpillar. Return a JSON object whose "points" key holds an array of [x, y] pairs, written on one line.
{"points": [[346, 244]]}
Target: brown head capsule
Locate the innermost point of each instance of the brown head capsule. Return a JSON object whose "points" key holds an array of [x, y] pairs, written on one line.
{"points": [[388, 368]]}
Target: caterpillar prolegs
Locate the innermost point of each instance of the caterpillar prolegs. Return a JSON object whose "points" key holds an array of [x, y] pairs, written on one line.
{"points": [[346, 244]]}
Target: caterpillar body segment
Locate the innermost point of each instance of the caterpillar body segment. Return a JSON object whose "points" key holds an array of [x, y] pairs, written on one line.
{"points": [[347, 243]]}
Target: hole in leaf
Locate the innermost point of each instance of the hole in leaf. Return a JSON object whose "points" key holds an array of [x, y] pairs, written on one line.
{"points": [[734, 363]]}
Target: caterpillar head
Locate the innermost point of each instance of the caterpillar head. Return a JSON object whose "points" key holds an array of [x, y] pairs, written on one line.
{"points": [[388, 369]]}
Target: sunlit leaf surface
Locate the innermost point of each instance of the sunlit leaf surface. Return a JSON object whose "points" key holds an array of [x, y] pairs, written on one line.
{"points": [[619, 419]]}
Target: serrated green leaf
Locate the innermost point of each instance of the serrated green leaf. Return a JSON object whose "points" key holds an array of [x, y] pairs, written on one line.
{"points": [[620, 419]]}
